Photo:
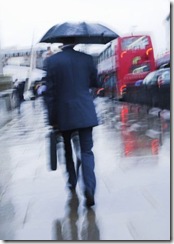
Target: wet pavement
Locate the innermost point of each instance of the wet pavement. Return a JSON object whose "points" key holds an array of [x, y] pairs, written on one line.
{"points": [[132, 154]]}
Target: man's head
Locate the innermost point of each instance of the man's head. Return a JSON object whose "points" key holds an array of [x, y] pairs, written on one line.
{"points": [[69, 42]]}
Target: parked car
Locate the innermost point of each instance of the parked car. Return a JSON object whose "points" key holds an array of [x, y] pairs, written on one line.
{"points": [[152, 77], [151, 86]]}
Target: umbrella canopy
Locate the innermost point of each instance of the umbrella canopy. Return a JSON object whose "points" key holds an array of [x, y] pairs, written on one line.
{"points": [[88, 33]]}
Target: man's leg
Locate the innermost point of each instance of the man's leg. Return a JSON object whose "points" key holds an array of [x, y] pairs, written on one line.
{"points": [[72, 178], [77, 150], [87, 159]]}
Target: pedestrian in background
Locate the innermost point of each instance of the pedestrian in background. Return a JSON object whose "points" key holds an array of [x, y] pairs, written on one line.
{"points": [[70, 75], [19, 87]]}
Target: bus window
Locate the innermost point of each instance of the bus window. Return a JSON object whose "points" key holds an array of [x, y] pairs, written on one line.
{"points": [[140, 68], [134, 43]]}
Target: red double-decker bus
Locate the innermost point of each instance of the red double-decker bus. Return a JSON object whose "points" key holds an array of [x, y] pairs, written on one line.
{"points": [[125, 61]]}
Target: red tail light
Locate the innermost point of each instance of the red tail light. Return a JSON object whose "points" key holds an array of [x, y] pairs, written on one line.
{"points": [[122, 88]]}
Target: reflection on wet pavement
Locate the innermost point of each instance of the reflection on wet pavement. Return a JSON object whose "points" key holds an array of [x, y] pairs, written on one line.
{"points": [[75, 226], [132, 154], [140, 134], [66, 228]]}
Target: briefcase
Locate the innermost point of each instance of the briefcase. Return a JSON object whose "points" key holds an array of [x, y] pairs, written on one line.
{"points": [[53, 150]]}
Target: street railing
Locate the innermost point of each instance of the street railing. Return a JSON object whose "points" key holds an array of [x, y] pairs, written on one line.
{"points": [[152, 96]]}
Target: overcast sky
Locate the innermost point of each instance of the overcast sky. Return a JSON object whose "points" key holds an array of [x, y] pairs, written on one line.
{"points": [[23, 22]]}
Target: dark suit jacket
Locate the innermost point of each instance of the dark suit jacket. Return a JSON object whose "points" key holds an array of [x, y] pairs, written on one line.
{"points": [[70, 74]]}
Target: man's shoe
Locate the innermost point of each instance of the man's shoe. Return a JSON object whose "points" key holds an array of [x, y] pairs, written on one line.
{"points": [[90, 203], [89, 200]]}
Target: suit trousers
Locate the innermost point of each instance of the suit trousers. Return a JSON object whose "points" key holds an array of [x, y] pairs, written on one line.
{"points": [[87, 159]]}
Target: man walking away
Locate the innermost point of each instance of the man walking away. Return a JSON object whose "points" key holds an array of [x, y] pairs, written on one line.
{"points": [[70, 75]]}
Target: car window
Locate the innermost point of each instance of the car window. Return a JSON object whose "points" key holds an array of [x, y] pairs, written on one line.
{"points": [[155, 78], [148, 78], [166, 75]]}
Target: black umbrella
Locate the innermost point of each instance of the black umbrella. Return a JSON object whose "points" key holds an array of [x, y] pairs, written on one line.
{"points": [[79, 33]]}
